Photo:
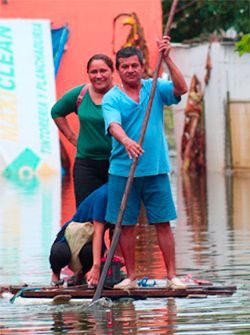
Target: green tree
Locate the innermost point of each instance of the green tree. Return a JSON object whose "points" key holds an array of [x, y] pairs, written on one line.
{"points": [[243, 46], [197, 19]]}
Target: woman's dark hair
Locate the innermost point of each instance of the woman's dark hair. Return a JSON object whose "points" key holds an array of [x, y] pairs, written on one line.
{"points": [[103, 57], [128, 52]]}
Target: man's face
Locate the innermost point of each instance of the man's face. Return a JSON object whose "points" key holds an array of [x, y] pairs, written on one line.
{"points": [[130, 71]]}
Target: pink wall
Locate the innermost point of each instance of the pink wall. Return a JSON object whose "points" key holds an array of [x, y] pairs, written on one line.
{"points": [[91, 28]]}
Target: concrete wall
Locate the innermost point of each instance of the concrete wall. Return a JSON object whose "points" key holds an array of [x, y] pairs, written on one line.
{"points": [[230, 73]]}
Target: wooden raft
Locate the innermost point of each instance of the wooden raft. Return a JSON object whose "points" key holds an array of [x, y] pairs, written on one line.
{"points": [[82, 292]]}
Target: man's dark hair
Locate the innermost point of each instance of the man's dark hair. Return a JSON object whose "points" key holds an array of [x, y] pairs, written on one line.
{"points": [[128, 52]]}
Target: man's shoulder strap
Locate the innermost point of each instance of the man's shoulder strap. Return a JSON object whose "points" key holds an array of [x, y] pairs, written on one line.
{"points": [[81, 96]]}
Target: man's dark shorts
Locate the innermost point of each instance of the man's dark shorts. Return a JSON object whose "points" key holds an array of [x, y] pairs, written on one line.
{"points": [[153, 191]]}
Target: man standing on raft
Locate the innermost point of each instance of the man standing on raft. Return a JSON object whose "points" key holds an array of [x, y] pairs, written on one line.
{"points": [[124, 108]]}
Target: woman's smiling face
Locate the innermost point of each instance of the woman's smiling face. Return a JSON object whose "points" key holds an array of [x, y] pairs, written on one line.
{"points": [[100, 76]]}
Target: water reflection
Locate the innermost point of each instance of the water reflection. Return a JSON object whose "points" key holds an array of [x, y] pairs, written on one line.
{"points": [[212, 212], [29, 216], [212, 235], [68, 200]]}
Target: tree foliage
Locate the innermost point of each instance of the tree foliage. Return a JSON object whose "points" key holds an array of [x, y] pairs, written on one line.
{"points": [[243, 46], [196, 19]]}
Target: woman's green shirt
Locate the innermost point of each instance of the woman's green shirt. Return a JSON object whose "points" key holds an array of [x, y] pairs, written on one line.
{"points": [[92, 141]]}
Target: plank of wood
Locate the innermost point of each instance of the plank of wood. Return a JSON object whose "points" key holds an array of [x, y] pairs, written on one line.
{"points": [[141, 293]]}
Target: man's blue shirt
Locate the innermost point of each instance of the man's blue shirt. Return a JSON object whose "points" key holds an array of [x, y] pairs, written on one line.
{"points": [[120, 108]]}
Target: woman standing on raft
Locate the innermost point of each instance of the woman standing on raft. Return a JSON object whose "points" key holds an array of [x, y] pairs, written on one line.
{"points": [[93, 147]]}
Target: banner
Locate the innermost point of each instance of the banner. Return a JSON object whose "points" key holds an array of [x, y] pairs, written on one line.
{"points": [[29, 142]]}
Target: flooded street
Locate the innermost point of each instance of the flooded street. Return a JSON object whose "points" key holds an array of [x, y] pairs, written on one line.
{"points": [[212, 236]]}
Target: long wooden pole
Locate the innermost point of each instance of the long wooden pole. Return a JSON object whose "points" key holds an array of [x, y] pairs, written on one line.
{"points": [[124, 201]]}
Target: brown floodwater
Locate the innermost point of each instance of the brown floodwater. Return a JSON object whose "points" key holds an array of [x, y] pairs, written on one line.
{"points": [[212, 236]]}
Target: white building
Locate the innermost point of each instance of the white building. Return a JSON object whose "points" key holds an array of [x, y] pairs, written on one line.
{"points": [[230, 77]]}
